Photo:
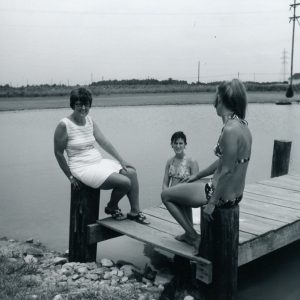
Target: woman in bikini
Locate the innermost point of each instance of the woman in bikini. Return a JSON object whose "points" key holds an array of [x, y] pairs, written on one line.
{"points": [[178, 168], [233, 151]]}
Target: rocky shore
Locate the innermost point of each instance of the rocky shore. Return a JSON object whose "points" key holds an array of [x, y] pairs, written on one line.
{"points": [[30, 271]]}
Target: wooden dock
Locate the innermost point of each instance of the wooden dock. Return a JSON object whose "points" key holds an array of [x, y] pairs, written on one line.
{"points": [[269, 220]]}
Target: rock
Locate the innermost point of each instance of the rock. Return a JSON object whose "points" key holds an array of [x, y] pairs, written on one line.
{"points": [[69, 265], [114, 272], [127, 269], [106, 262], [91, 276], [59, 260], [75, 277], [37, 243], [34, 251], [82, 270], [66, 271], [58, 297], [12, 259], [124, 279], [143, 297], [29, 259], [107, 275], [114, 282], [11, 240], [29, 240], [188, 297], [120, 273], [163, 278]]}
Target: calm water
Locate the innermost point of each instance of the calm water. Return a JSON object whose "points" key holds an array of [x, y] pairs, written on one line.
{"points": [[34, 199]]}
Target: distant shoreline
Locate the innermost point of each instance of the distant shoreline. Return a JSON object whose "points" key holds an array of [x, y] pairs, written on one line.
{"points": [[136, 99]]}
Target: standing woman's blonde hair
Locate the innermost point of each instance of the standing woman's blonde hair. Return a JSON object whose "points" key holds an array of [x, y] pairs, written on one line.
{"points": [[234, 97]]}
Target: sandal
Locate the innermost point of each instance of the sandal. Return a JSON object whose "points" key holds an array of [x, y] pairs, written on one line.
{"points": [[115, 213], [139, 218]]}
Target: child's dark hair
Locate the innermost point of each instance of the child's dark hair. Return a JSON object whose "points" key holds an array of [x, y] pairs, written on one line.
{"points": [[178, 135]]}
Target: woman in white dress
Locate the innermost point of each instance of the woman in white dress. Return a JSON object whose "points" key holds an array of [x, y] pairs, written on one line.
{"points": [[77, 135]]}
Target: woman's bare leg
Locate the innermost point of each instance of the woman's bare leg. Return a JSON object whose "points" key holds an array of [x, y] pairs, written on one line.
{"points": [[120, 185], [189, 195], [133, 193]]}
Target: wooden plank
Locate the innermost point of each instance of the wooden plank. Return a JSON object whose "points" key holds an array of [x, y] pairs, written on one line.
{"points": [[269, 242], [257, 225], [276, 200], [98, 233], [280, 183], [152, 236], [163, 214], [269, 211], [273, 191], [288, 180], [293, 175]]}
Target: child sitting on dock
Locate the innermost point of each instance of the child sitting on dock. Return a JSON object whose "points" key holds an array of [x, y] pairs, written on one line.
{"points": [[178, 168]]}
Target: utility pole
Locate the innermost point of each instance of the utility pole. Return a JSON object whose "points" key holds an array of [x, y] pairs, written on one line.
{"points": [[290, 92], [284, 62], [198, 72]]}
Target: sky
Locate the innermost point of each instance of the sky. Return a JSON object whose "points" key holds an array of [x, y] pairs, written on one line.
{"points": [[82, 41]]}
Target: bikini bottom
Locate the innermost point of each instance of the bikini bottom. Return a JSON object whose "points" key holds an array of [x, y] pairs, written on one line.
{"points": [[210, 189]]}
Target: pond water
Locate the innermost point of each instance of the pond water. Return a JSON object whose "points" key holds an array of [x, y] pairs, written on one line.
{"points": [[35, 194]]}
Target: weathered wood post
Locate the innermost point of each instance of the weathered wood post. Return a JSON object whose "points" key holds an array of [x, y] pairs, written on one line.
{"points": [[281, 158], [84, 210], [219, 244]]}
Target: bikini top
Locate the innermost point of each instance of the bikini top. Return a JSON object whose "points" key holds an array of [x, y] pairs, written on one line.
{"points": [[181, 171], [218, 151]]}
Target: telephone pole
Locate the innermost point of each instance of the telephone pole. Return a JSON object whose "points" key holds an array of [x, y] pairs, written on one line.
{"points": [[198, 72], [294, 18], [284, 62]]}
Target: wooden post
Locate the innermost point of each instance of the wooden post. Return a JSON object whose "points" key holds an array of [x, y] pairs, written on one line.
{"points": [[281, 158], [84, 210], [219, 243]]}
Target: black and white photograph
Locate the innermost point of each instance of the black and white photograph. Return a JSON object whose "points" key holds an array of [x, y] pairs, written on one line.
{"points": [[150, 150]]}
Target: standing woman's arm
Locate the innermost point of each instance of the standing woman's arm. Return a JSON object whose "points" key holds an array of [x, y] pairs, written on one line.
{"points": [[60, 144], [194, 167]]}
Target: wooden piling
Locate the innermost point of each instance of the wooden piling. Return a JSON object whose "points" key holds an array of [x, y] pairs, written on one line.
{"points": [[84, 210], [281, 158], [219, 244]]}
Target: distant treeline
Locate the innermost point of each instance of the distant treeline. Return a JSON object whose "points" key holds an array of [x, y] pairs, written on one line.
{"points": [[131, 86]]}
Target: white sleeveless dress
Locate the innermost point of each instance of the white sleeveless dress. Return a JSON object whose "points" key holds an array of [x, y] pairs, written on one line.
{"points": [[84, 158]]}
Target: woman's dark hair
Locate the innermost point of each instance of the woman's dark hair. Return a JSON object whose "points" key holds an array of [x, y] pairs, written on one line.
{"points": [[178, 135], [234, 97], [80, 94]]}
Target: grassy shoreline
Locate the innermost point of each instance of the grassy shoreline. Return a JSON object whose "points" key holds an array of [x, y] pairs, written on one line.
{"points": [[182, 98]]}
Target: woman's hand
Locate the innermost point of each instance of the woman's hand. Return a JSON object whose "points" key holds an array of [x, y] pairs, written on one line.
{"points": [[126, 165], [74, 182], [190, 178], [208, 211]]}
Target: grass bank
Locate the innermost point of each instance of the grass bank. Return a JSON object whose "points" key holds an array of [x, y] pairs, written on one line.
{"points": [[25, 103]]}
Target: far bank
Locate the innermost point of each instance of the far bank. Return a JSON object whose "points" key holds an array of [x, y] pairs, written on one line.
{"points": [[51, 102]]}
